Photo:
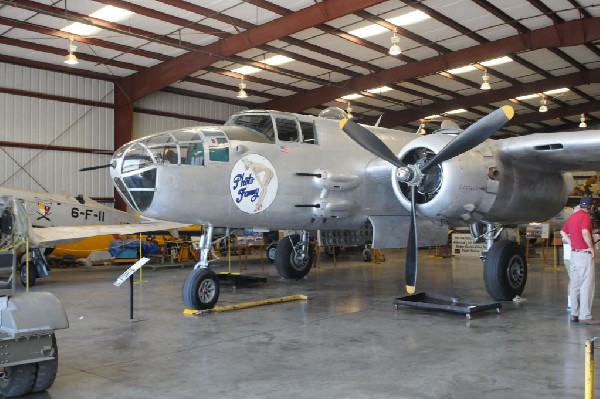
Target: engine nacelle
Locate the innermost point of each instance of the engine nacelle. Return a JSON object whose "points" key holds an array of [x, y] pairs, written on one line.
{"points": [[479, 186]]}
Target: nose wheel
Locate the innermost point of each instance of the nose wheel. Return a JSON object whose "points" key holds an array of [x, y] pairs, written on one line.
{"points": [[201, 289]]}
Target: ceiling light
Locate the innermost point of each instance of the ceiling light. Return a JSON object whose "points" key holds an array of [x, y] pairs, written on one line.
{"points": [[349, 111], [278, 60], [556, 91], [409, 18], [456, 111], [543, 107], [462, 69], [582, 119], [246, 70], [352, 96], [434, 116], [421, 130], [379, 90], [486, 81], [77, 28], [242, 93], [395, 48], [71, 58], [111, 14], [527, 97], [368, 31], [496, 61]]}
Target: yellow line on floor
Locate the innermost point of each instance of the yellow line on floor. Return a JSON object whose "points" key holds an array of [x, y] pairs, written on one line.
{"points": [[246, 305]]}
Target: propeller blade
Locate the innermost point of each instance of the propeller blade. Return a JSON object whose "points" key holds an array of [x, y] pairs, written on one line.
{"points": [[412, 248], [95, 167], [472, 136], [367, 140]]}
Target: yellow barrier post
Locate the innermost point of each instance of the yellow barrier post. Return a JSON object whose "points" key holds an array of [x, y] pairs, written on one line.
{"points": [[589, 368]]}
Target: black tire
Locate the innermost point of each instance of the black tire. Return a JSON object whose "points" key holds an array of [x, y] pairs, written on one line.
{"points": [[290, 264], [32, 273], [271, 250], [201, 289], [17, 380], [505, 270], [366, 255], [46, 371], [332, 250]]}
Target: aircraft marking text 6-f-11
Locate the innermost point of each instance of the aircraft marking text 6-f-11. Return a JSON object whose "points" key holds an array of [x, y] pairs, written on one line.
{"points": [[274, 170]]}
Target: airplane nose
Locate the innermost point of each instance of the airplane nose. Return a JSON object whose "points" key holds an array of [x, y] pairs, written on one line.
{"points": [[133, 170]]}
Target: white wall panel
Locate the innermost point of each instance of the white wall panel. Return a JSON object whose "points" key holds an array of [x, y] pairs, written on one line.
{"points": [[58, 84], [145, 124], [31, 120], [54, 171], [186, 105]]}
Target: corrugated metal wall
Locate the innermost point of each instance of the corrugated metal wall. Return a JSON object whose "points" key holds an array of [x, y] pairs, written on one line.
{"points": [[31, 120], [145, 124]]}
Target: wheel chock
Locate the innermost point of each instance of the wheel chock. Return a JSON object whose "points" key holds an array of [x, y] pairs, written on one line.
{"points": [[246, 305]]}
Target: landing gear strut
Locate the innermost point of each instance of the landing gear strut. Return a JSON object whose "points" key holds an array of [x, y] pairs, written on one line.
{"points": [[201, 287], [505, 266]]}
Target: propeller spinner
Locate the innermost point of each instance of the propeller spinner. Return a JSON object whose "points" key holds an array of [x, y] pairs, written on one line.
{"points": [[414, 174]]}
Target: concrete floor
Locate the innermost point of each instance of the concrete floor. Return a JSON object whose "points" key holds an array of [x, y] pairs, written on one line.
{"points": [[348, 341]]}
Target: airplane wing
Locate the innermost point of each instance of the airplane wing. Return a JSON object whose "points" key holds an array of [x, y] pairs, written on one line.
{"points": [[564, 151], [52, 234]]}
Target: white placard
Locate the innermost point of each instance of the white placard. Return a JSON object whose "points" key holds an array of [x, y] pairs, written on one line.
{"points": [[134, 268], [463, 245]]}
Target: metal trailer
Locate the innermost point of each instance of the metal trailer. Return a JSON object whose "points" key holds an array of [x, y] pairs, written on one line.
{"points": [[28, 349]]}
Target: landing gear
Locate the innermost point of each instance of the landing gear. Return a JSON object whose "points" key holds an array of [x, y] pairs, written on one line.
{"points": [[17, 380], [294, 256], [201, 288], [505, 270]]}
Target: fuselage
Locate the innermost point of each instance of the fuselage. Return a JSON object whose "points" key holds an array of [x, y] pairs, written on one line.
{"points": [[263, 169]]}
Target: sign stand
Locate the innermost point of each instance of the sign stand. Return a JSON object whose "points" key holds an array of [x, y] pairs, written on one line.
{"points": [[128, 274]]}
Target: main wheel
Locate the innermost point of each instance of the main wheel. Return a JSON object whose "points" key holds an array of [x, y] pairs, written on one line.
{"points": [[46, 371], [271, 250], [17, 380], [366, 255], [32, 273], [505, 270], [201, 289], [291, 262]]}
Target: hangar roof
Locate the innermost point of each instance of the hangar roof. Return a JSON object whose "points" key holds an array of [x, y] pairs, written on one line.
{"points": [[305, 55]]}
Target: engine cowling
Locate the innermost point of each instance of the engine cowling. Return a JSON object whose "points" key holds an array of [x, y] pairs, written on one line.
{"points": [[479, 186]]}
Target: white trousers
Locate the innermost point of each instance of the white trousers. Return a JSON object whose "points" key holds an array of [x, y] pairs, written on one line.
{"points": [[583, 284]]}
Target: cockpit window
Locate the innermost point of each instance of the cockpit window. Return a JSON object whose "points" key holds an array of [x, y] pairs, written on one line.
{"points": [[136, 158], [287, 130], [308, 133], [260, 124]]}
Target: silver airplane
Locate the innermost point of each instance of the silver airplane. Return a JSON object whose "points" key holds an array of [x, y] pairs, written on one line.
{"points": [[274, 170]]}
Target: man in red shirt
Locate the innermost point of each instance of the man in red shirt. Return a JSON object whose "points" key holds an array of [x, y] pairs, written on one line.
{"points": [[577, 232]]}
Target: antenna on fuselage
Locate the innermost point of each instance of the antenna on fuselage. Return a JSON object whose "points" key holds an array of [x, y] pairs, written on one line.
{"points": [[378, 121]]}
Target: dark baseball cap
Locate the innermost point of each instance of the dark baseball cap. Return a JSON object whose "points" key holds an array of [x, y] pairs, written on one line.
{"points": [[586, 202]]}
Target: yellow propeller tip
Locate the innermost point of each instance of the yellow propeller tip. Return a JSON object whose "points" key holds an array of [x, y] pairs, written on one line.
{"points": [[343, 123], [410, 289], [508, 111]]}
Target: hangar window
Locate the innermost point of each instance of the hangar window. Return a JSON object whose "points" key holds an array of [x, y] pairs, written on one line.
{"points": [[287, 130]]}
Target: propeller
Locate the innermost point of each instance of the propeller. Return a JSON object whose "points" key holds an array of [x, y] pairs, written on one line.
{"points": [[412, 175]]}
